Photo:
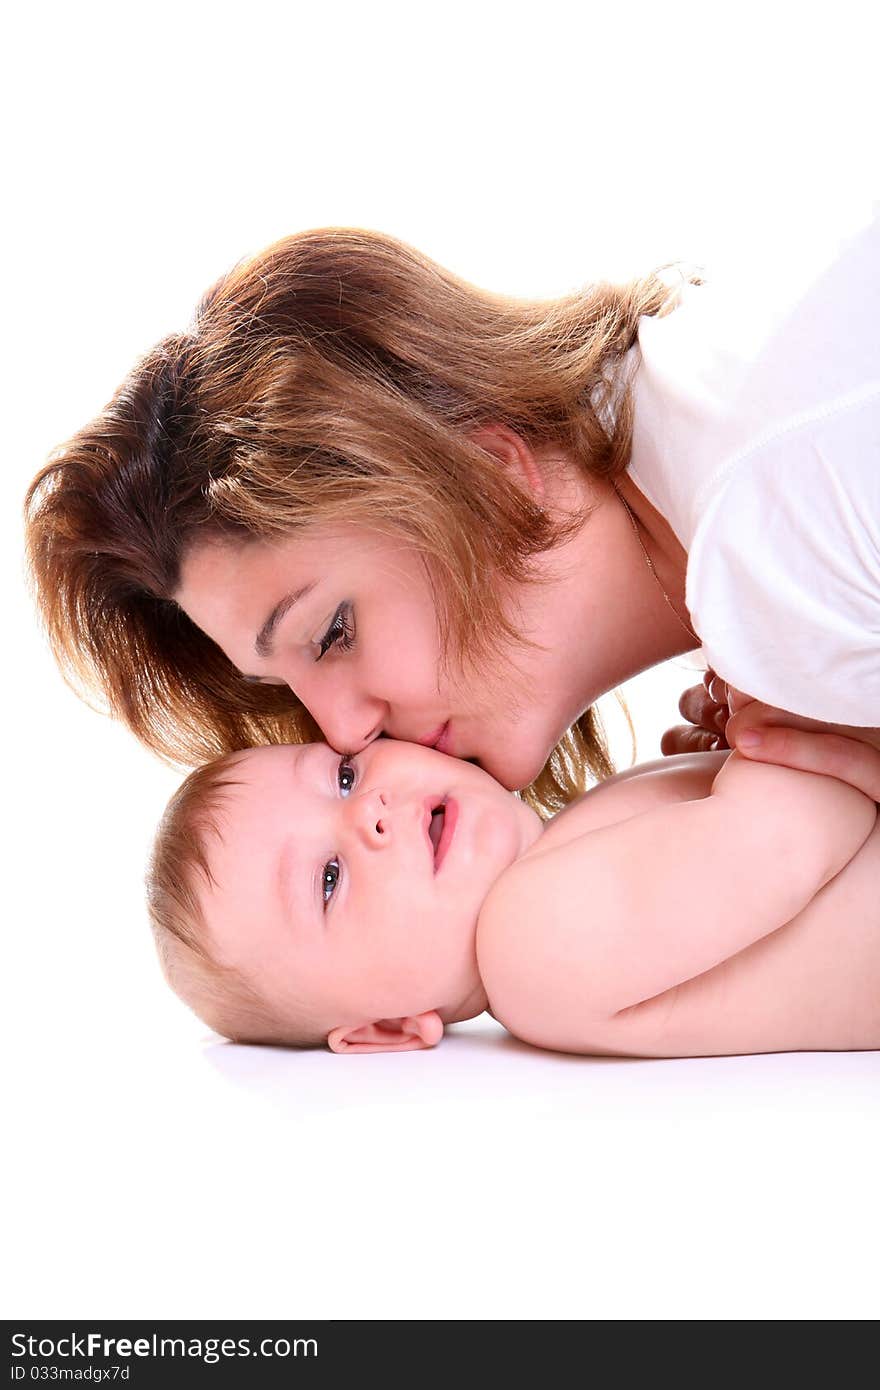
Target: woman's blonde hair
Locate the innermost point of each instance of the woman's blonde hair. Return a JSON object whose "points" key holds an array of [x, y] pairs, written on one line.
{"points": [[338, 375]]}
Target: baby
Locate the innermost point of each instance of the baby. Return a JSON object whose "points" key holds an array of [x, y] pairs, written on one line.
{"points": [[694, 906]]}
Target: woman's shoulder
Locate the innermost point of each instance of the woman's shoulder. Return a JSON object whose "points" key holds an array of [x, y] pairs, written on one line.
{"points": [[691, 365], [743, 358], [783, 577]]}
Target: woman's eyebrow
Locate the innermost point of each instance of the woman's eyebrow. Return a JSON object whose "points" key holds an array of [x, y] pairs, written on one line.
{"points": [[263, 640]]}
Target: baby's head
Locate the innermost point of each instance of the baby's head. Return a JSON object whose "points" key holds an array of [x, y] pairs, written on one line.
{"points": [[300, 898]]}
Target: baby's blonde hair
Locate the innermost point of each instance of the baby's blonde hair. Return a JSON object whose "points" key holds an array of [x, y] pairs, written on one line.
{"points": [[179, 871]]}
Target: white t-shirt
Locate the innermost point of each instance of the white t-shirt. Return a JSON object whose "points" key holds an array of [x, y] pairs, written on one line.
{"points": [[757, 436]]}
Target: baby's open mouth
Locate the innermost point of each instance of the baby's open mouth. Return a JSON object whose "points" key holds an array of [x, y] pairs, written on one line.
{"points": [[441, 819], [435, 829]]}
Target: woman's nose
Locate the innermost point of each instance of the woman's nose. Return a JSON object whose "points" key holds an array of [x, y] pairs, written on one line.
{"points": [[369, 815], [348, 720]]}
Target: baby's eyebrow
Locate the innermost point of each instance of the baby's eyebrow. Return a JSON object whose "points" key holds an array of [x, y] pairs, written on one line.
{"points": [[263, 639], [290, 872], [286, 877]]}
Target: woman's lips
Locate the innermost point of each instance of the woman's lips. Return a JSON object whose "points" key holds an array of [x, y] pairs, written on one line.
{"points": [[439, 739]]}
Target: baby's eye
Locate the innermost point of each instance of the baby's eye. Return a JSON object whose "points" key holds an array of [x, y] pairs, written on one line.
{"points": [[345, 776], [329, 879]]}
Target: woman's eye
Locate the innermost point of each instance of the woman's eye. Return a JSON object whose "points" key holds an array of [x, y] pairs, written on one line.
{"points": [[329, 879], [340, 633], [345, 777]]}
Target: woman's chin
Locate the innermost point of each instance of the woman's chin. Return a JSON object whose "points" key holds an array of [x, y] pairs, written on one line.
{"points": [[513, 774]]}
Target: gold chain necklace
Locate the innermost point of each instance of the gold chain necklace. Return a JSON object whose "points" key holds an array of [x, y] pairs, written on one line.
{"points": [[644, 549]]}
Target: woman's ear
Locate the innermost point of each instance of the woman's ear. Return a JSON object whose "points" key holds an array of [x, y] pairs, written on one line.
{"points": [[511, 450], [389, 1034]]}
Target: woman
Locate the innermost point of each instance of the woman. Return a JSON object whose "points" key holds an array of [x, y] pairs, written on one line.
{"points": [[441, 515]]}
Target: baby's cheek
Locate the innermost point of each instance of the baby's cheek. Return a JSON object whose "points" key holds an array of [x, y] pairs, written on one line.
{"points": [[407, 974], [502, 832]]}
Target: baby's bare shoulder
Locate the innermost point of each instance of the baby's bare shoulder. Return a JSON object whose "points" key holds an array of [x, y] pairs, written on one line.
{"points": [[687, 777], [522, 939], [507, 914], [811, 984]]}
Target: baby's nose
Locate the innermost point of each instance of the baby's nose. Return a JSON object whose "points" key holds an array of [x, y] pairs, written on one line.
{"points": [[372, 819]]}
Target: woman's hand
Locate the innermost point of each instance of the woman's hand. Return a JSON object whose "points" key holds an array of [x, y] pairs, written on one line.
{"points": [[707, 711], [769, 735], [764, 734]]}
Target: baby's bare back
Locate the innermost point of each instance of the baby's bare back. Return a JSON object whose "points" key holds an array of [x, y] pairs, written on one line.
{"points": [[811, 984]]}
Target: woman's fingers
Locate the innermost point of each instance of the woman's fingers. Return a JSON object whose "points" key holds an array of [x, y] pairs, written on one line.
{"points": [[830, 755], [717, 688], [699, 707], [687, 738], [722, 717], [736, 699], [705, 707]]}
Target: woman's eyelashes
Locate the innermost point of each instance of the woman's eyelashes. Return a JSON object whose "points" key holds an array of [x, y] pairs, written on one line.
{"points": [[340, 633]]}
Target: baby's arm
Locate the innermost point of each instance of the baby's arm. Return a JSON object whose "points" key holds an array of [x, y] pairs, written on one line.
{"points": [[625, 912]]}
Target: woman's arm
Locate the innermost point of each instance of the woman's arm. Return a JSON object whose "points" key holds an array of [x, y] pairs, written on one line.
{"points": [[628, 911]]}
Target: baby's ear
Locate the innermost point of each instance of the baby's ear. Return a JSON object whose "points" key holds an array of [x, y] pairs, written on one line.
{"points": [[389, 1034]]}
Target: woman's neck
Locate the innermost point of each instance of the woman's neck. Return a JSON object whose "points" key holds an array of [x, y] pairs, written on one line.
{"points": [[618, 583], [664, 554]]}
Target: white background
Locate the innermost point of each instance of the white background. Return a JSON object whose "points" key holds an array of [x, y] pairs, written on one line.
{"points": [[152, 1170]]}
